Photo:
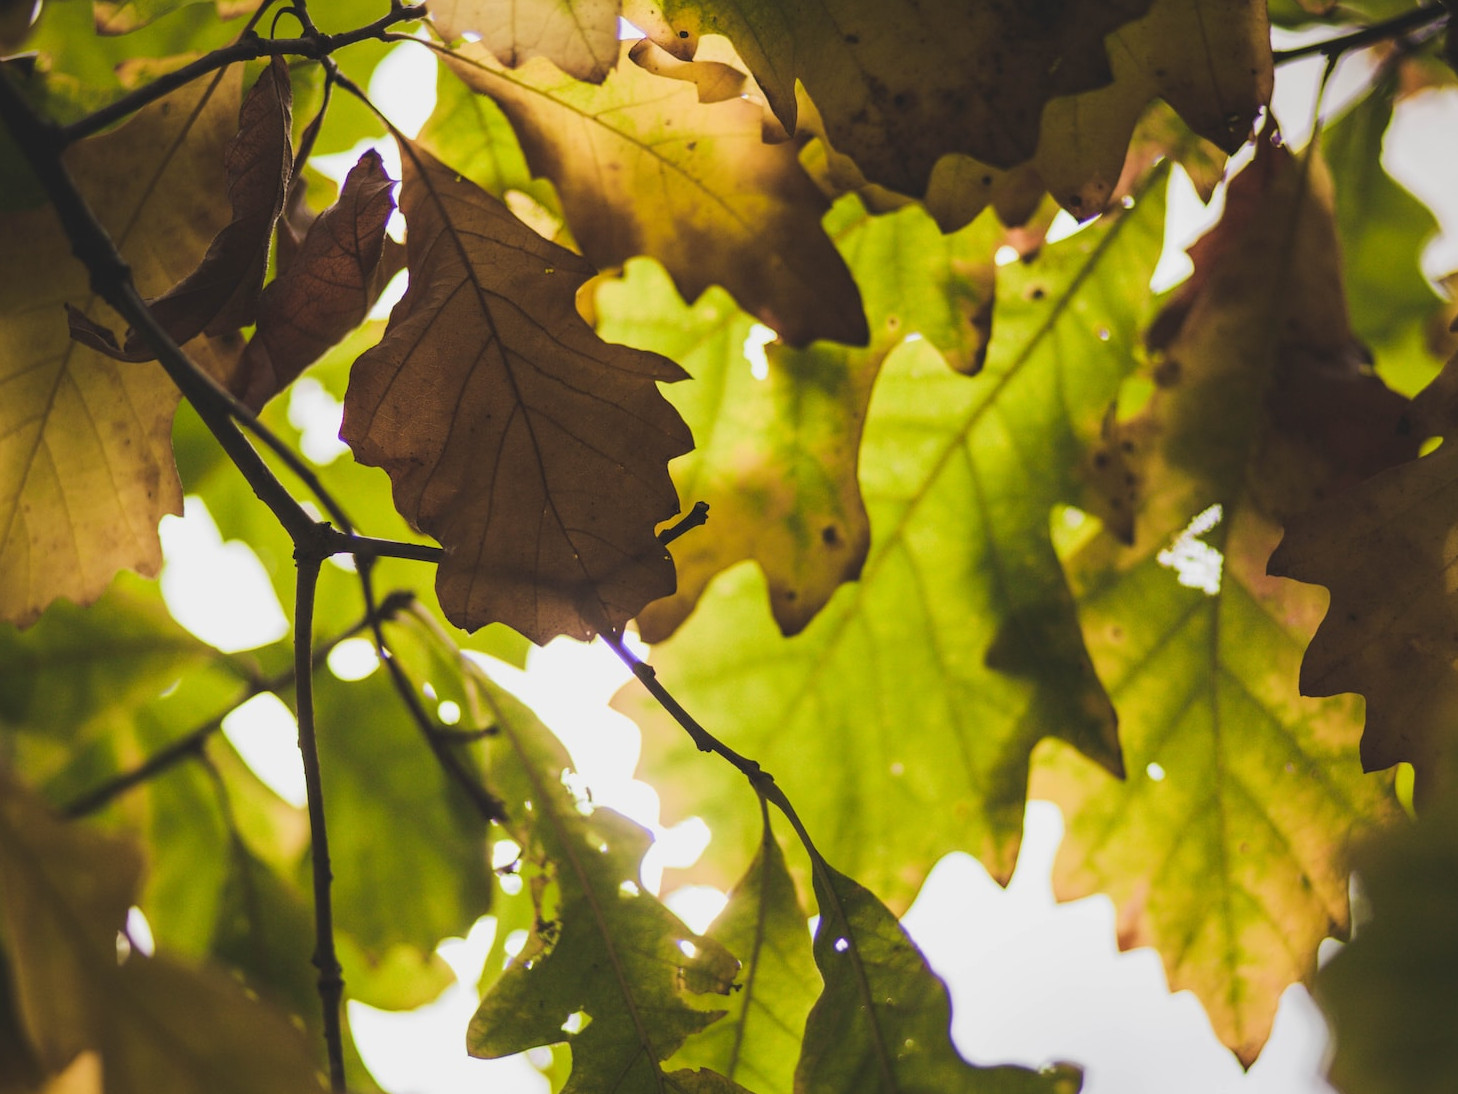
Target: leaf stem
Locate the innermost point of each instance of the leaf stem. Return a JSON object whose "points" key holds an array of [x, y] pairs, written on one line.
{"points": [[702, 738], [1419, 18], [331, 979], [248, 47]]}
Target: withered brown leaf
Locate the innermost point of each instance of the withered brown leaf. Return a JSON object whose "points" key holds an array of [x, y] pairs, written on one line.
{"points": [[221, 294], [536, 453], [332, 279]]}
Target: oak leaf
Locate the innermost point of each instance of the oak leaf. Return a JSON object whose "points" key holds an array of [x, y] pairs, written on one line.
{"points": [[327, 288], [1388, 995], [221, 294], [156, 1023], [607, 968], [1224, 846], [533, 451], [578, 36], [1385, 550], [644, 167], [883, 1020], [758, 1039], [778, 448], [86, 467], [923, 687], [900, 85]]}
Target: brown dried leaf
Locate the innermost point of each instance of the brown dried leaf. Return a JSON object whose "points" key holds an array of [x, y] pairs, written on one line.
{"points": [[1386, 550], [644, 167], [221, 295], [578, 36], [902, 84], [327, 289], [534, 452]]}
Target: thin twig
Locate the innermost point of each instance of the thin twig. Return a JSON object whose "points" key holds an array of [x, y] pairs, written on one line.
{"points": [[696, 517], [331, 977], [1416, 19], [248, 47], [482, 800], [702, 738], [191, 744]]}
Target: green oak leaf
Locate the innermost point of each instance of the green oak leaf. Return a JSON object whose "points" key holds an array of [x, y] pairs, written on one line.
{"points": [[79, 667], [921, 689], [1389, 994], [607, 969], [395, 883], [758, 1040], [884, 1020], [1224, 846], [776, 453], [1383, 230]]}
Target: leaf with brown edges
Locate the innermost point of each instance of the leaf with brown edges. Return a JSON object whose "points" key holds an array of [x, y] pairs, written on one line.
{"points": [[536, 453], [644, 167]]}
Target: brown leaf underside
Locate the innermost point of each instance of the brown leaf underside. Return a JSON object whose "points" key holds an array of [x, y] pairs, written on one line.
{"points": [[327, 289], [534, 452]]}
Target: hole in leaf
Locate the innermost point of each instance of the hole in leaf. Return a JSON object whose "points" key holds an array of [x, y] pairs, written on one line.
{"points": [[1196, 564], [841, 945], [576, 1022], [758, 337], [629, 889], [1155, 772], [448, 712]]}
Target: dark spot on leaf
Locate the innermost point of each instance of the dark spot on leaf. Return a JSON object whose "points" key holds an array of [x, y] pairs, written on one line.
{"points": [[852, 39], [1037, 292], [831, 535], [683, 34], [1101, 460], [1126, 446], [1167, 372]]}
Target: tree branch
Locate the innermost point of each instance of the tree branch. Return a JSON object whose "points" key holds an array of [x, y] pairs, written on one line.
{"points": [[1420, 18], [331, 978], [248, 47]]}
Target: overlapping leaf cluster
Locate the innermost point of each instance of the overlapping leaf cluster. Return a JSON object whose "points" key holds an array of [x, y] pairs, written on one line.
{"points": [[969, 489]]}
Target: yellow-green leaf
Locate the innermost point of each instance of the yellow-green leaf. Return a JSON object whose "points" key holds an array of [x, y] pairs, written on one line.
{"points": [[921, 689], [778, 448], [758, 1040], [883, 1022], [608, 969], [86, 466]]}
